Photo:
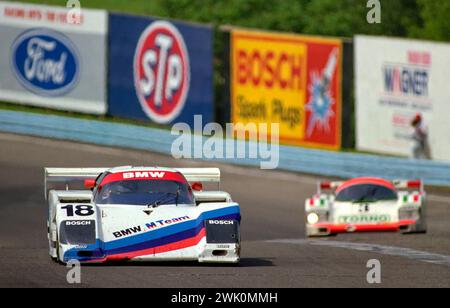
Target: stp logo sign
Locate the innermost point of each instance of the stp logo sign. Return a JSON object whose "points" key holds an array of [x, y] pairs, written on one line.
{"points": [[161, 72]]}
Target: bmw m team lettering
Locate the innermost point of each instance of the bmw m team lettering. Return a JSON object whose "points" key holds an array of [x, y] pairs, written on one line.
{"points": [[149, 226], [161, 223], [127, 232]]}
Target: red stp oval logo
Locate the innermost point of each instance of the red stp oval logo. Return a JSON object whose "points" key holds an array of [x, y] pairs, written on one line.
{"points": [[161, 72]]}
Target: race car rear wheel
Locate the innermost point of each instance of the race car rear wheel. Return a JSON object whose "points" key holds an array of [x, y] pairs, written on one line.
{"points": [[421, 226]]}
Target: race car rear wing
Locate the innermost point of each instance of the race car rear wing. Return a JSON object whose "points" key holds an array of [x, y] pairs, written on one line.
{"points": [[328, 186], [73, 178], [409, 184], [399, 184], [210, 175], [69, 178]]}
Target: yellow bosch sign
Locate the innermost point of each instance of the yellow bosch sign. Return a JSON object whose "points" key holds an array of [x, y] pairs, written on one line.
{"points": [[271, 76]]}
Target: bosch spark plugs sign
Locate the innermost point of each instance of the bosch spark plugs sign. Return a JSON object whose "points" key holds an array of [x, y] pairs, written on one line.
{"points": [[397, 82], [160, 71], [291, 80]]}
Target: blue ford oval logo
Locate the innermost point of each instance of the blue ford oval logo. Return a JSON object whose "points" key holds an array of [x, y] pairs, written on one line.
{"points": [[45, 62]]}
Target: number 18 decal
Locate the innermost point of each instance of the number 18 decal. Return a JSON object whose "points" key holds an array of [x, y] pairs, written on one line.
{"points": [[80, 210]]}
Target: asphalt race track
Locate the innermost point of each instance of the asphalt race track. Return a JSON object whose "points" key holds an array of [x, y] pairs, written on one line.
{"points": [[275, 252]]}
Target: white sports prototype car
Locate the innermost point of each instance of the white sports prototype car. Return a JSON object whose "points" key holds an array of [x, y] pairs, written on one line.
{"points": [[366, 205], [140, 214]]}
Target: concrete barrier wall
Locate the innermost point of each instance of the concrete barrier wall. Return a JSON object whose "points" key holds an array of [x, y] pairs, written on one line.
{"points": [[325, 163]]}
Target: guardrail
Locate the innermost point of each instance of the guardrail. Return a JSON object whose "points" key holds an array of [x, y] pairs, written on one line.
{"points": [[325, 163]]}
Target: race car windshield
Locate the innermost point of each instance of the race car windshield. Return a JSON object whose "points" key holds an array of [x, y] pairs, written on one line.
{"points": [[142, 192], [366, 193]]}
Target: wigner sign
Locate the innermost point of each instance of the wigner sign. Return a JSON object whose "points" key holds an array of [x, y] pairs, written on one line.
{"points": [[407, 79]]}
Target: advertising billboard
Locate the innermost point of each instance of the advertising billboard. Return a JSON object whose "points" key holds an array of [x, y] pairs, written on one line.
{"points": [[291, 80], [48, 61], [160, 71], [402, 97]]}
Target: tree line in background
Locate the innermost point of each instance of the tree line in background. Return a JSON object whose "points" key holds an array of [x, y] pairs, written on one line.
{"points": [[425, 19]]}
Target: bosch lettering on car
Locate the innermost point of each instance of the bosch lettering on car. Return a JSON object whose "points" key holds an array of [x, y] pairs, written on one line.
{"points": [[221, 222], [79, 222], [45, 62]]}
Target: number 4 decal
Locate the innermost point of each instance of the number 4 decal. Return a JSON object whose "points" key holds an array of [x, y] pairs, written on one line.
{"points": [[80, 210]]}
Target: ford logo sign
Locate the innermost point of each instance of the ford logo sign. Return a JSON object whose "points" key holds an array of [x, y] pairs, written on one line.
{"points": [[45, 62]]}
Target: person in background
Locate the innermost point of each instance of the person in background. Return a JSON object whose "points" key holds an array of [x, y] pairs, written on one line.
{"points": [[421, 148]]}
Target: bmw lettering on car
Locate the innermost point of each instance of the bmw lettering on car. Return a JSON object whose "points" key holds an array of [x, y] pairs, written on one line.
{"points": [[140, 214], [366, 205]]}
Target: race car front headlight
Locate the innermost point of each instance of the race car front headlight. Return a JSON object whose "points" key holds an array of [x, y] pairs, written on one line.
{"points": [[312, 218]]}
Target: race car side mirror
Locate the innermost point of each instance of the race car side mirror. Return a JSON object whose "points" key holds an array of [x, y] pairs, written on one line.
{"points": [[197, 186], [89, 184]]}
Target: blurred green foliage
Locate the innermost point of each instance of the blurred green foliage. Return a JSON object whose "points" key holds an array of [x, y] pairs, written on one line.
{"points": [[426, 19], [436, 17]]}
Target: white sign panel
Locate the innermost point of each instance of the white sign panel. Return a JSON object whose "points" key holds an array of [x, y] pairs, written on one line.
{"points": [[52, 58], [398, 81]]}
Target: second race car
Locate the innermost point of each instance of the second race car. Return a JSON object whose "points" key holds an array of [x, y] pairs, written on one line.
{"points": [[366, 205]]}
